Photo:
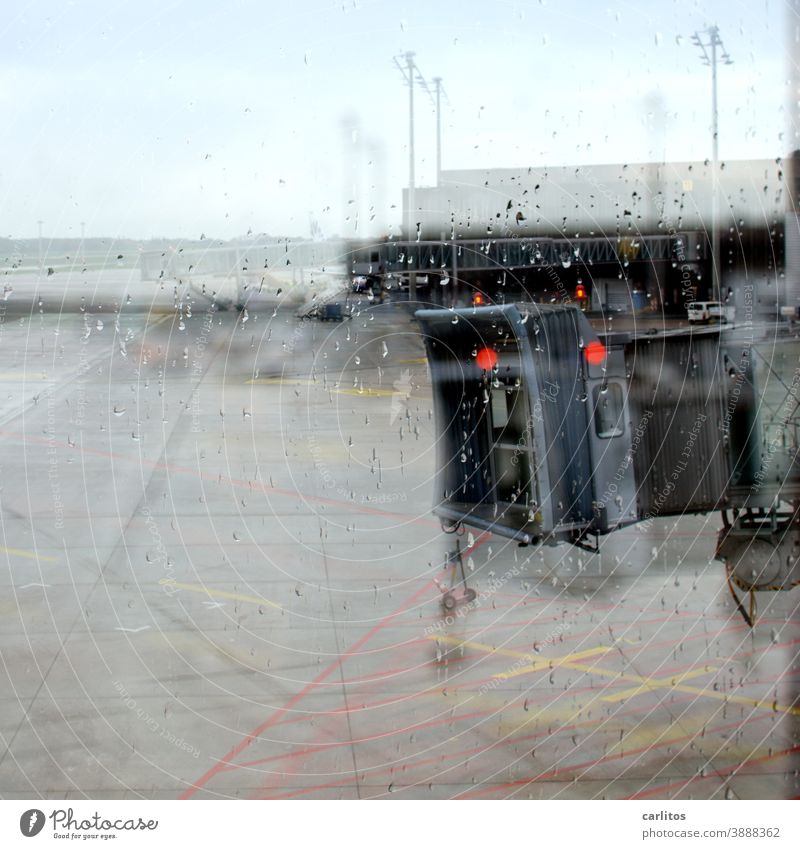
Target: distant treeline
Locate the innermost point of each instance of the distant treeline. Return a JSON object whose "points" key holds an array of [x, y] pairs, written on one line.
{"points": [[112, 247], [60, 249]]}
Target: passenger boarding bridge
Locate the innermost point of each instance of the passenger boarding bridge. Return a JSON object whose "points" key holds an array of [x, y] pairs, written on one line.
{"points": [[230, 273]]}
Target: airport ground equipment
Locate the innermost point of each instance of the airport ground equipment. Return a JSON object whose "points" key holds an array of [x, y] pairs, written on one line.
{"points": [[458, 592], [549, 433]]}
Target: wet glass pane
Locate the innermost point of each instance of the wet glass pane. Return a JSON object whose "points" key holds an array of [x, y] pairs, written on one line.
{"points": [[399, 401]]}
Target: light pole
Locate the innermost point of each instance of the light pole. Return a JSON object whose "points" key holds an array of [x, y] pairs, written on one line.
{"points": [[713, 43], [437, 81], [408, 73]]}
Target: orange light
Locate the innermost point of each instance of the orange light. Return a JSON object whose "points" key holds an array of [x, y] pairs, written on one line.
{"points": [[595, 353], [486, 359], [580, 292], [478, 300]]}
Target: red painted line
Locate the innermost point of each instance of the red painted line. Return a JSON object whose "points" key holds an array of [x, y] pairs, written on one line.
{"points": [[521, 782], [253, 735], [258, 486], [337, 744], [731, 770], [457, 688], [475, 660], [544, 698], [469, 753]]}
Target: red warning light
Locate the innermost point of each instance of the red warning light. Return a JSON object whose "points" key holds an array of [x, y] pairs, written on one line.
{"points": [[580, 292], [595, 353], [486, 359], [478, 300]]}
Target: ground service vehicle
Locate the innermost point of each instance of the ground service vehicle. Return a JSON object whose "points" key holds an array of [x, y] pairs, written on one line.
{"points": [[549, 433], [707, 312]]}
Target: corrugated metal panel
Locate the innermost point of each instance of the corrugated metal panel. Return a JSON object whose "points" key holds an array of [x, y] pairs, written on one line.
{"points": [[677, 399], [558, 360], [792, 237]]}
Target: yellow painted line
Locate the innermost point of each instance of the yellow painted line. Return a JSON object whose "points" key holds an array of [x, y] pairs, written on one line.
{"points": [[456, 641], [415, 361], [657, 684], [741, 700], [367, 391], [538, 661], [548, 662], [673, 683], [644, 684], [27, 553], [364, 392], [281, 381], [197, 588]]}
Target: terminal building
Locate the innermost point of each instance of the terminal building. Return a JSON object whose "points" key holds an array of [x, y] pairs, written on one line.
{"points": [[630, 236]]}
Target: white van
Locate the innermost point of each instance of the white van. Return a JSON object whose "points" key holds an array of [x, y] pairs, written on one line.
{"points": [[706, 312]]}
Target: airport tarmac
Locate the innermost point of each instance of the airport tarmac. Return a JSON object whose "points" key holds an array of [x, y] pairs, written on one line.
{"points": [[221, 578]]}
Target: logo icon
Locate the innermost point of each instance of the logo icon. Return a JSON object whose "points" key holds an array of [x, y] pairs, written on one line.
{"points": [[402, 388], [31, 822]]}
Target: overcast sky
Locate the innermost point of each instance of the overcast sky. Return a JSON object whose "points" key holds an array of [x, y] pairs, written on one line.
{"points": [[180, 118]]}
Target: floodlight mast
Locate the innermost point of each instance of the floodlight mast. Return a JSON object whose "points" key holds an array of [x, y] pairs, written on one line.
{"points": [[713, 42], [411, 75]]}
